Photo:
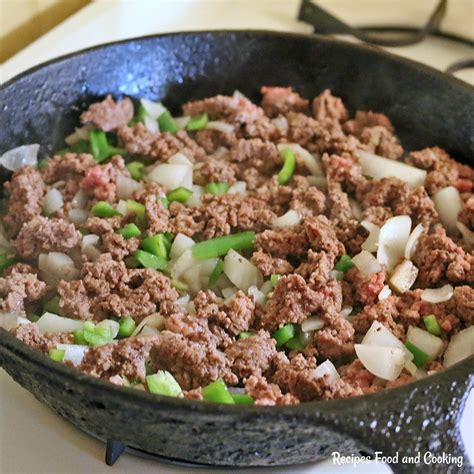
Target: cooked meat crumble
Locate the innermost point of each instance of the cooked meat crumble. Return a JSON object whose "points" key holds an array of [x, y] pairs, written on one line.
{"points": [[271, 254]]}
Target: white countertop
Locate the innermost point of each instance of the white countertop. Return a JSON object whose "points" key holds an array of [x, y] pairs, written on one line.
{"points": [[32, 438]]}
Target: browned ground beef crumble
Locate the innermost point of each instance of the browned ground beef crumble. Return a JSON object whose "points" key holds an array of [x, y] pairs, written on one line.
{"points": [[200, 344]]}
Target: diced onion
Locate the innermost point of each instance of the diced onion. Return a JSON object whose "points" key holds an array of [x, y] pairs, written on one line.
{"points": [[393, 239], [326, 369], [290, 218], [229, 292], [73, 353], [467, 234], [89, 246], [239, 95], [53, 202], [385, 292], [172, 176], [281, 123], [122, 207], [311, 162], [184, 300], [448, 203], [195, 199], [10, 321], [384, 362], [403, 276], [460, 347], [126, 187], [338, 275], [267, 287], [371, 243], [378, 167], [56, 266], [220, 126], [181, 122], [79, 200], [437, 295], [78, 216], [194, 279], [239, 187], [356, 209], [242, 273], [114, 326], [423, 340], [379, 335], [151, 124], [81, 133], [181, 243], [411, 367], [313, 323], [180, 159], [17, 158], [256, 294], [366, 263], [412, 241], [182, 264], [346, 311], [318, 181], [155, 320], [153, 109], [149, 331], [54, 324]]}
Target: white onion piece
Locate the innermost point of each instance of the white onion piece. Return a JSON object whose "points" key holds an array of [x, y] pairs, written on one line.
{"points": [[429, 344], [79, 200], [338, 275], [356, 209], [112, 325], [326, 369], [448, 203], [4, 242], [281, 123], [239, 187], [192, 276], [313, 323], [56, 266], [220, 126], [122, 207], [10, 321], [412, 241], [378, 167], [366, 263], [184, 263], [411, 367], [467, 234], [149, 331], [385, 292], [311, 162], [17, 158], [267, 287], [155, 320], [81, 133], [371, 243], [183, 300], [151, 124], [126, 187], [346, 311], [460, 347], [181, 122], [384, 362], [379, 335], [181, 243], [153, 109], [242, 273], [207, 266], [195, 199], [172, 176], [89, 246], [318, 181], [393, 238], [54, 324], [290, 218], [78, 216], [229, 292], [239, 95], [437, 295], [256, 294], [403, 276], [73, 353], [53, 202], [180, 159]]}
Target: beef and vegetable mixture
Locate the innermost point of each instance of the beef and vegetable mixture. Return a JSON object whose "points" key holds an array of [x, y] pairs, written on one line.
{"points": [[240, 253]]}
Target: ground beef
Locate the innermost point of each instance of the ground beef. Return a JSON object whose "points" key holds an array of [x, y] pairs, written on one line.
{"points": [[307, 200], [255, 153], [343, 169], [265, 393], [336, 339], [214, 140], [440, 260], [29, 334], [356, 375], [109, 115], [466, 216], [25, 194], [236, 109], [364, 119], [327, 106], [43, 235], [317, 269], [269, 265], [252, 355], [365, 288], [464, 303], [281, 100], [378, 215], [215, 171], [125, 358], [20, 283], [193, 364], [382, 142]]}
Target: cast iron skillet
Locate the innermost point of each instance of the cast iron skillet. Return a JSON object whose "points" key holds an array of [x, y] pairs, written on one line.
{"points": [[426, 107]]}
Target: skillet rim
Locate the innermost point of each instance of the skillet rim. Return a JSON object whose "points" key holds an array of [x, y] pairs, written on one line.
{"points": [[322, 406]]}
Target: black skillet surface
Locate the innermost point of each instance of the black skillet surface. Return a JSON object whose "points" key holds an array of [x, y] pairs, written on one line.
{"points": [[426, 107]]}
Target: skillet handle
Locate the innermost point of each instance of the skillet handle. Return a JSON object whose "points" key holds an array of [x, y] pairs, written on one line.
{"points": [[422, 419]]}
